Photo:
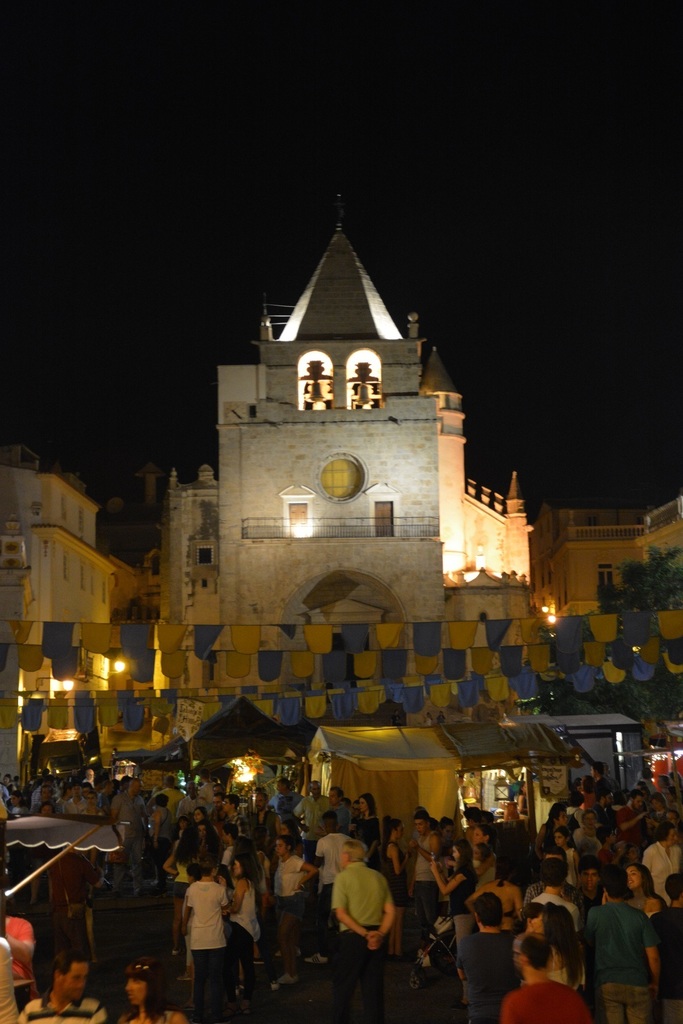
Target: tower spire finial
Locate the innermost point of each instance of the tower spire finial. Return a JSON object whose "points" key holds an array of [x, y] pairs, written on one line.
{"points": [[340, 211]]}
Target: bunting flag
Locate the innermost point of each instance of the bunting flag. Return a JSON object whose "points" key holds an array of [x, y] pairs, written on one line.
{"points": [[318, 638], [388, 634], [634, 642], [170, 638], [246, 639], [495, 632], [603, 627], [355, 637]]}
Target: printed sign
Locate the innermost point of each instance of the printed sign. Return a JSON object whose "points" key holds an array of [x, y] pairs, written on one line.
{"points": [[189, 714]]}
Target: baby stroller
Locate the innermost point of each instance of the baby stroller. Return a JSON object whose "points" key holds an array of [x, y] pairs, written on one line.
{"points": [[438, 951]]}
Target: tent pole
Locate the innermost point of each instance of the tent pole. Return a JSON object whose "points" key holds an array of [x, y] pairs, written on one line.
{"points": [[531, 803]]}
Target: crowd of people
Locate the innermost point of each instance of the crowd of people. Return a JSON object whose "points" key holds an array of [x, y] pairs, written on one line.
{"points": [[587, 925]]}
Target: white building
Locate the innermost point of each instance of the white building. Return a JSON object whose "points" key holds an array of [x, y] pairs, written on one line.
{"points": [[341, 494], [50, 571]]}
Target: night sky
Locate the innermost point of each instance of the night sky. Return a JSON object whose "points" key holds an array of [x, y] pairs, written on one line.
{"points": [[511, 171]]}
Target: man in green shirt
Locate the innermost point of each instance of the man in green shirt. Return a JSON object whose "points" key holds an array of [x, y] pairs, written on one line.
{"points": [[365, 910]]}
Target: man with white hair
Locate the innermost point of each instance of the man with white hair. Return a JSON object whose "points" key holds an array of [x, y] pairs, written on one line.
{"points": [[364, 907]]}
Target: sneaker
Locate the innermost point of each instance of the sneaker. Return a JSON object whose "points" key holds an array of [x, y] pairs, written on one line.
{"points": [[287, 979], [258, 960], [275, 986], [316, 959], [174, 952]]}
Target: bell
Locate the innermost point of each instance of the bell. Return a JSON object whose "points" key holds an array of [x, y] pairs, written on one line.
{"points": [[316, 392], [365, 394]]}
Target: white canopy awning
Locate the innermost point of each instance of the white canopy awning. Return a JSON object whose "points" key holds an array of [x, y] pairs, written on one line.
{"points": [[56, 831]]}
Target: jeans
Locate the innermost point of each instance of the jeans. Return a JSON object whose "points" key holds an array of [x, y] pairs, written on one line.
{"points": [[322, 918], [135, 848], [208, 965], [426, 896], [623, 1004]]}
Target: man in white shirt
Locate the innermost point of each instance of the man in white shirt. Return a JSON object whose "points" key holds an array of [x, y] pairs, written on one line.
{"points": [[663, 857], [188, 803], [328, 852], [553, 874], [77, 804]]}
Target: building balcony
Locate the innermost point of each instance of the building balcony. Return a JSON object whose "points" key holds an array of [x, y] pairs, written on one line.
{"points": [[627, 532], [411, 528], [665, 515]]}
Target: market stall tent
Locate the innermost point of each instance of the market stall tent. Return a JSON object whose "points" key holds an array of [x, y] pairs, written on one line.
{"points": [[404, 768], [241, 728]]}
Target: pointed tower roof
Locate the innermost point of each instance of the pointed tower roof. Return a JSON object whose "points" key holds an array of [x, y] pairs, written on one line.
{"points": [[340, 301], [515, 501], [436, 377]]}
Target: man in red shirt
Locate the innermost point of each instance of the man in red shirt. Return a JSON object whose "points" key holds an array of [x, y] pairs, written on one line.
{"points": [[70, 877], [629, 818], [540, 1000]]}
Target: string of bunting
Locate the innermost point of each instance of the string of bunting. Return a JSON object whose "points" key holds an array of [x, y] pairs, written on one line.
{"points": [[415, 661]]}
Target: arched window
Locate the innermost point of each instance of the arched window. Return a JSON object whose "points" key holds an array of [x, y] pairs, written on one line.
{"points": [[316, 381], [363, 380]]}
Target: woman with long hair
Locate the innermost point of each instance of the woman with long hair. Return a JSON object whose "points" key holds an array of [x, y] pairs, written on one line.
{"points": [[245, 931], [546, 833], [290, 880], [288, 827], [566, 964], [178, 871], [458, 888], [563, 839], [642, 888], [146, 991], [395, 860], [246, 847], [367, 830]]}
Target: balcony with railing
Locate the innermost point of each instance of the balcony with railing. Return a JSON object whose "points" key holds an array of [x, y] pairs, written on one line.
{"points": [[627, 531], [665, 515], [404, 527]]}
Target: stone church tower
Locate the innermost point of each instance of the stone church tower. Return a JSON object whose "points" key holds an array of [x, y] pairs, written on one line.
{"points": [[341, 494]]}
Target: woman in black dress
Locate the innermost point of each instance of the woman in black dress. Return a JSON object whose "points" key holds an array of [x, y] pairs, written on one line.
{"points": [[367, 830], [395, 860]]}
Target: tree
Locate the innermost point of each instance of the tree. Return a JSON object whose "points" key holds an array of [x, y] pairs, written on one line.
{"points": [[653, 585]]}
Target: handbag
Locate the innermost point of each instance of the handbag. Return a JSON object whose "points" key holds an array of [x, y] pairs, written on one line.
{"points": [[443, 924], [117, 856]]}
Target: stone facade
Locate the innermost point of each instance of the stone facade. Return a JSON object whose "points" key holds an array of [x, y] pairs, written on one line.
{"points": [[341, 492]]}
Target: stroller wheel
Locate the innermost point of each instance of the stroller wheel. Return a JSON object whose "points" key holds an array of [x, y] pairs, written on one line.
{"points": [[417, 978]]}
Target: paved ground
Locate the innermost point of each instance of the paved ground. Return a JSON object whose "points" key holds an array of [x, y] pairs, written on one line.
{"points": [[127, 928]]}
